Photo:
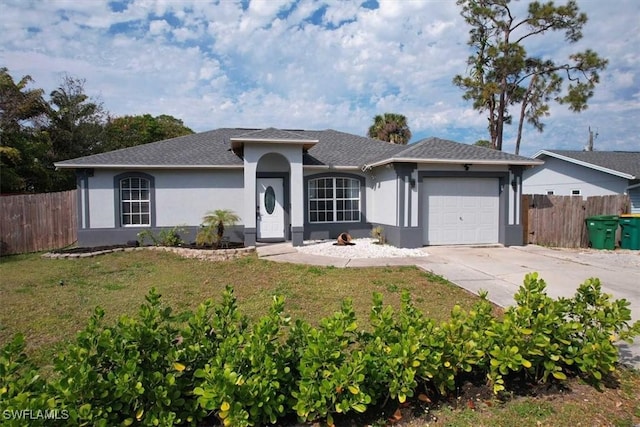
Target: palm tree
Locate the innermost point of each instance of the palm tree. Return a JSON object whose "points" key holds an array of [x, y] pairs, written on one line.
{"points": [[390, 127], [216, 220]]}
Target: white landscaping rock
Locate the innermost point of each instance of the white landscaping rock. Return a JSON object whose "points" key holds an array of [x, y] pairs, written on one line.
{"points": [[360, 248]]}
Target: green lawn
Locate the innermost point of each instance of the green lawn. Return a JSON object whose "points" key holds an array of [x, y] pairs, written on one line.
{"points": [[48, 313], [35, 304]]}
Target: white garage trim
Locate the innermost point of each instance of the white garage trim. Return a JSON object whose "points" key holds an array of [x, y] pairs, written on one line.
{"points": [[460, 211]]}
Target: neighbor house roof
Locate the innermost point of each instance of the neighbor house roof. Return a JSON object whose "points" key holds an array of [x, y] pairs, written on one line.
{"points": [[221, 148], [625, 164]]}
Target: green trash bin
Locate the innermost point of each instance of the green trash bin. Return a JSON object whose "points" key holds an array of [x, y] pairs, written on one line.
{"points": [[630, 235], [602, 231]]}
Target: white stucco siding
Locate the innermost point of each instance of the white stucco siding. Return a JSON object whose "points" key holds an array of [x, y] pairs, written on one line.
{"points": [[184, 197], [563, 178], [101, 200], [181, 197], [384, 205]]}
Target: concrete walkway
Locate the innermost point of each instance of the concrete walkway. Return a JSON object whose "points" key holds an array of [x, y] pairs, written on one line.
{"points": [[501, 270]]}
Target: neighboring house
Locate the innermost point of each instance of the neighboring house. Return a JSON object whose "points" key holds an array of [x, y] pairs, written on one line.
{"points": [[586, 173], [296, 185]]}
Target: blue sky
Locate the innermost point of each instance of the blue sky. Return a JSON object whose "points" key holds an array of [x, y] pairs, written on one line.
{"points": [[308, 64]]}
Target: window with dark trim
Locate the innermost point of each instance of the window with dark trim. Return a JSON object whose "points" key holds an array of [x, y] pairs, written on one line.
{"points": [[135, 201], [334, 200]]}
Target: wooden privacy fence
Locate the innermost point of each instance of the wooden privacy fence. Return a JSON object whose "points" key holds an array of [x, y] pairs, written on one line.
{"points": [[37, 222], [560, 220]]}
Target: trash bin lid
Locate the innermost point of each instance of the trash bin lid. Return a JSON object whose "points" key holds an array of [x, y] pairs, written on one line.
{"points": [[603, 218], [630, 215]]}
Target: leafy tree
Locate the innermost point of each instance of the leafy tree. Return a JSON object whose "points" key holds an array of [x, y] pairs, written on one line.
{"points": [[23, 147], [483, 143], [390, 127], [501, 73], [128, 131], [76, 127]]}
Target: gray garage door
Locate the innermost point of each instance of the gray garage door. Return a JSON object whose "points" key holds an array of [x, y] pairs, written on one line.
{"points": [[460, 210]]}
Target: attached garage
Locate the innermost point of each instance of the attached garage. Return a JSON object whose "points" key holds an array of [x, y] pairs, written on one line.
{"points": [[459, 211]]}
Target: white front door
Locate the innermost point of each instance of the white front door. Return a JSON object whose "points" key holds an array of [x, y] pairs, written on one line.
{"points": [[460, 210], [270, 221]]}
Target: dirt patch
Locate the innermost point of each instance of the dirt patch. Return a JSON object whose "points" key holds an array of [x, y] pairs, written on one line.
{"points": [[572, 402]]}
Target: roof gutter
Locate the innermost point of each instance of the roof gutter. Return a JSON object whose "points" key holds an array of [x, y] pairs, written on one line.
{"points": [[103, 166], [454, 161], [136, 166]]}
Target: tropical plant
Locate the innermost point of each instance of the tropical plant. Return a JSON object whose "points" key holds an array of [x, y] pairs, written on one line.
{"points": [[23, 146], [390, 127], [75, 126], [213, 225]]}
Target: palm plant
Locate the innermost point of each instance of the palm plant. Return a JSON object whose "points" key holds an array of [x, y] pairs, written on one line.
{"points": [[390, 127], [216, 221]]}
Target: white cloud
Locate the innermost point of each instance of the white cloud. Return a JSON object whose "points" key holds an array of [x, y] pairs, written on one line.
{"points": [[216, 64], [159, 26]]}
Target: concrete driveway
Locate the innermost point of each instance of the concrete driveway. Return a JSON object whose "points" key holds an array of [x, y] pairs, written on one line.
{"points": [[501, 271]]}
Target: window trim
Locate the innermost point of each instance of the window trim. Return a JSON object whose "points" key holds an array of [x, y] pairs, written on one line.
{"points": [[118, 200], [354, 182]]}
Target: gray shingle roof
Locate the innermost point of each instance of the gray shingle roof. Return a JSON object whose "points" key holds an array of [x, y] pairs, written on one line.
{"points": [[344, 149], [334, 148], [627, 162], [436, 149], [273, 133], [199, 149]]}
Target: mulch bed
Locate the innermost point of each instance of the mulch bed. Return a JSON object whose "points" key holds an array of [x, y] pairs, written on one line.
{"points": [[93, 249]]}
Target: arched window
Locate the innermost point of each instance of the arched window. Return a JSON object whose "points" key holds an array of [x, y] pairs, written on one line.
{"points": [[334, 200], [135, 201]]}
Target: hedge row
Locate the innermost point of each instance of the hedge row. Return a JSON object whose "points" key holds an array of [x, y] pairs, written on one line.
{"points": [[161, 369]]}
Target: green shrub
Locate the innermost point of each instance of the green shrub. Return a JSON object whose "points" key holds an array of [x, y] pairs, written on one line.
{"points": [[162, 369], [24, 395], [399, 350], [331, 368], [548, 337], [132, 372], [248, 380], [166, 237]]}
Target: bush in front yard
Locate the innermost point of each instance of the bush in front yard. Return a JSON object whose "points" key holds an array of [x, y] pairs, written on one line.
{"points": [[161, 369]]}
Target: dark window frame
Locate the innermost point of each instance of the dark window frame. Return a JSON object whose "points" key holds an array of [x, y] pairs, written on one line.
{"points": [[331, 199], [119, 201]]}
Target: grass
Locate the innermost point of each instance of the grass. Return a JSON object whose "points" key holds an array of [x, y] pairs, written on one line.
{"points": [[35, 303], [48, 313]]}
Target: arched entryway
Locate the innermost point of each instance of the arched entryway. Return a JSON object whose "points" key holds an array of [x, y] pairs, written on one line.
{"points": [[272, 198]]}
